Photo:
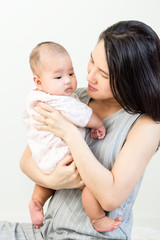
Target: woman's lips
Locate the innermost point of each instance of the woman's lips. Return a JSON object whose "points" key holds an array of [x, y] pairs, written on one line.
{"points": [[92, 88]]}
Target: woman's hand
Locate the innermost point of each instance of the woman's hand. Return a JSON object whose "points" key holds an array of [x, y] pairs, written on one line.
{"points": [[52, 120], [65, 175]]}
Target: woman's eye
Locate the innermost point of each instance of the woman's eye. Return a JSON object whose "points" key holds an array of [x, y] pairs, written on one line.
{"points": [[91, 60], [105, 76]]}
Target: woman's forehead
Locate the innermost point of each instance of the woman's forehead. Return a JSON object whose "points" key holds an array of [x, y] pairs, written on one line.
{"points": [[98, 55]]}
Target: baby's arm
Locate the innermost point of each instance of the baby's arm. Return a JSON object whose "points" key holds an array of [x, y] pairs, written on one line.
{"points": [[97, 127], [82, 116]]}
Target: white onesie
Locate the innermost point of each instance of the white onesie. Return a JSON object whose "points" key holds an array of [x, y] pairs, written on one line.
{"points": [[47, 149]]}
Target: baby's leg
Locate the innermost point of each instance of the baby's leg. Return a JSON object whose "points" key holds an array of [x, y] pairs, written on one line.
{"points": [[99, 220], [39, 197]]}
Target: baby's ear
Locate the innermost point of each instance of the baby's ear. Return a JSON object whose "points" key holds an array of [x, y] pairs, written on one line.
{"points": [[37, 82]]}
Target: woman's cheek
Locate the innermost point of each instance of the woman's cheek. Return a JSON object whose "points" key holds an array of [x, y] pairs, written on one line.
{"points": [[89, 67]]}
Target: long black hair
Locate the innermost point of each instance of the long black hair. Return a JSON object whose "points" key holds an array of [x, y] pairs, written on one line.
{"points": [[133, 56]]}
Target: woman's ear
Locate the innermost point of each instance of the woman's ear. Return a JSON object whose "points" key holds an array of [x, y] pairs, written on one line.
{"points": [[37, 82]]}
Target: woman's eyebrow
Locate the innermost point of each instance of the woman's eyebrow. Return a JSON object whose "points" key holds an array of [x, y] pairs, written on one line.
{"points": [[104, 72], [91, 56]]}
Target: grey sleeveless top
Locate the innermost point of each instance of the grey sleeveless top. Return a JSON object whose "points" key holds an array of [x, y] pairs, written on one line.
{"points": [[65, 217]]}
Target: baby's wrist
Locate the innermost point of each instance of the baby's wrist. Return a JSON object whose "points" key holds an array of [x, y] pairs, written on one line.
{"points": [[101, 123], [101, 126]]}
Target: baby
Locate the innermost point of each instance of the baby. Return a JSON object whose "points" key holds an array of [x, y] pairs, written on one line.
{"points": [[55, 81]]}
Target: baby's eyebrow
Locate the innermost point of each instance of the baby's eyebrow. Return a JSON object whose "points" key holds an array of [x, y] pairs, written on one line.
{"points": [[71, 69], [58, 71], [62, 70]]}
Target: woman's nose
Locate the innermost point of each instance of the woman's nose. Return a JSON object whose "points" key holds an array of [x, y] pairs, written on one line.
{"points": [[91, 77]]}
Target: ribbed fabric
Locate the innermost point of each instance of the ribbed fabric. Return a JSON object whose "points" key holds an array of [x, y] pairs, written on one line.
{"points": [[65, 217]]}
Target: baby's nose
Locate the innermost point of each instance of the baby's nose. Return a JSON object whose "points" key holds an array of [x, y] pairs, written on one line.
{"points": [[67, 80]]}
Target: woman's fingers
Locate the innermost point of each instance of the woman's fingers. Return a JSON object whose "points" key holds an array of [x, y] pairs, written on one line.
{"points": [[78, 182], [74, 176], [81, 184], [44, 126], [73, 164], [47, 116], [54, 120], [40, 119], [46, 107], [66, 161], [41, 111]]}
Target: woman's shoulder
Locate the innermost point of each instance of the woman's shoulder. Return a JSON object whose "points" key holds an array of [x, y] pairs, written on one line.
{"points": [[147, 122], [82, 95], [145, 127]]}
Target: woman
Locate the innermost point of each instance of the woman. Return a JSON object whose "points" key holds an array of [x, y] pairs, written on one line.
{"points": [[124, 90]]}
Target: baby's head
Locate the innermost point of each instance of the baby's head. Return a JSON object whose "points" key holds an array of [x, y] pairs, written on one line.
{"points": [[52, 69]]}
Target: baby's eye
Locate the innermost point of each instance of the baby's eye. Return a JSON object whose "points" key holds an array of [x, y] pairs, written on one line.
{"points": [[71, 74], [58, 77]]}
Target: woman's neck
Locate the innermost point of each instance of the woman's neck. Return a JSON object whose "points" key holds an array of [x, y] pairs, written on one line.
{"points": [[104, 108]]}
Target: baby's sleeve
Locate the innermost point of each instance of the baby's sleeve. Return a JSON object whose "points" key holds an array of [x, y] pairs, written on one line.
{"points": [[77, 112]]}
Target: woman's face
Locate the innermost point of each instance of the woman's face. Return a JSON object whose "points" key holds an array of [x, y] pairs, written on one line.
{"points": [[98, 74]]}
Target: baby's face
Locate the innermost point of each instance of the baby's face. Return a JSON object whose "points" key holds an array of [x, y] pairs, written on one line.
{"points": [[57, 75]]}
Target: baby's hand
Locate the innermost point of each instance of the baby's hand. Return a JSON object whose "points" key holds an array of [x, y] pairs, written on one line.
{"points": [[98, 133]]}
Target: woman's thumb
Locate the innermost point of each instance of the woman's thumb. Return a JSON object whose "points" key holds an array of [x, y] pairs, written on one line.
{"points": [[66, 160]]}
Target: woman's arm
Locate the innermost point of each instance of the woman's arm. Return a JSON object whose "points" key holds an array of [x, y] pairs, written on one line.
{"points": [[65, 174], [110, 188]]}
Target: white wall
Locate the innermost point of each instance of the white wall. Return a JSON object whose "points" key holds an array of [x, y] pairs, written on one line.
{"points": [[76, 24]]}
